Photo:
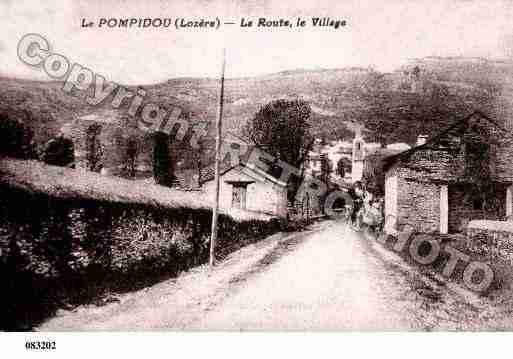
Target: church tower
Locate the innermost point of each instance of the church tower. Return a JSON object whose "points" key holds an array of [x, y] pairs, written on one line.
{"points": [[358, 157]]}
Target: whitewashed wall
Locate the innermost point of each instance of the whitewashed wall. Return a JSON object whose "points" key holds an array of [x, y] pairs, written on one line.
{"points": [[390, 198], [263, 195]]}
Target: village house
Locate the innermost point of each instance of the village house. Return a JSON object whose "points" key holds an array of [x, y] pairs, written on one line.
{"points": [[334, 152], [360, 154], [463, 173], [244, 186], [358, 158]]}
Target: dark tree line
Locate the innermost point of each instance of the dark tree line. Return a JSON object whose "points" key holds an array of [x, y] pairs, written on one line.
{"points": [[94, 148], [163, 164], [343, 167], [16, 139]]}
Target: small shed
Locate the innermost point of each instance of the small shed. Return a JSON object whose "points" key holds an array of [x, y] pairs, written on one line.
{"points": [[244, 186]]}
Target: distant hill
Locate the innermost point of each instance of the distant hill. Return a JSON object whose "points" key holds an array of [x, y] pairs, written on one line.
{"points": [[391, 107]]}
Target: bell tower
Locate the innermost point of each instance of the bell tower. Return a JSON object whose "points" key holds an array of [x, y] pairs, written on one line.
{"points": [[358, 157]]}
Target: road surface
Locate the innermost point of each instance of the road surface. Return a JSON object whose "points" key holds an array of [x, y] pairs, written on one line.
{"points": [[331, 278], [331, 281]]}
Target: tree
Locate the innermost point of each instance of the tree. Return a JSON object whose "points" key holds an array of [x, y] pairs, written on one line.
{"points": [[374, 174], [396, 116], [59, 151], [163, 166], [343, 166], [416, 72], [281, 129], [16, 139], [94, 148], [326, 169], [131, 153], [197, 158]]}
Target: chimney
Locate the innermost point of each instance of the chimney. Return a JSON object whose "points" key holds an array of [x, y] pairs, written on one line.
{"points": [[421, 139]]}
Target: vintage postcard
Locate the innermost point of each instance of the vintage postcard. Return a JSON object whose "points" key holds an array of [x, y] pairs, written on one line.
{"points": [[231, 165]]}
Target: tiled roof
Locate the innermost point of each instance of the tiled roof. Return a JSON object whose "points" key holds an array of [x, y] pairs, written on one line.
{"points": [[390, 160], [208, 173]]}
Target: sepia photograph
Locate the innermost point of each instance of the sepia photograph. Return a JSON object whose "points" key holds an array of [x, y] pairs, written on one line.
{"points": [[255, 166]]}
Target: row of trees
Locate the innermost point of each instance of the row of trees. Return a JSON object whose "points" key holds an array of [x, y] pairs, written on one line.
{"points": [[163, 165], [281, 128], [17, 141], [397, 116], [342, 167]]}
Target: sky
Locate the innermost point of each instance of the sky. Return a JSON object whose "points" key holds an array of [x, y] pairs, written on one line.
{"points": [[379, 34]]}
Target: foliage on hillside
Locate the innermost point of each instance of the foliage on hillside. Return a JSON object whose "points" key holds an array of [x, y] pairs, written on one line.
{"points": [[163, 166], [16, 139], [392, 107], [281, 128]]}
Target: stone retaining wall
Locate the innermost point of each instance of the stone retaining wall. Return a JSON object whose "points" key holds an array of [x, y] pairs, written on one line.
{"points": [[492, 239]]}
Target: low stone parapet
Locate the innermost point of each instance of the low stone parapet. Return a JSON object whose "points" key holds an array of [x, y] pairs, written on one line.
{"points": [[493, 239]]}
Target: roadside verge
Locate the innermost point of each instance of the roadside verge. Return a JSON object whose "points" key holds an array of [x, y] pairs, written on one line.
{"points": [[176, 303]]}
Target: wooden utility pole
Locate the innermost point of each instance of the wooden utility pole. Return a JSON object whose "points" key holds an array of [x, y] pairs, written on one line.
{"points": [[215, 210]]}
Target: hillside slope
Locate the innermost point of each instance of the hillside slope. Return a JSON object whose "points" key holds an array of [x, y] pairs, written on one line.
{"points": [[392, 107]]}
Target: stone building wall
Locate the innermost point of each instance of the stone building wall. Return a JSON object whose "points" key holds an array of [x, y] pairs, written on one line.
{"points": [[492, 239], [262, 195], [391, 192], [504, 157], [462, 209], [418, 204], [450, 161]]}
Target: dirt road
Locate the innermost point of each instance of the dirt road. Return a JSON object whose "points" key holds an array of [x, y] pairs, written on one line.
{"points": [[330, 281], [330, 278]]}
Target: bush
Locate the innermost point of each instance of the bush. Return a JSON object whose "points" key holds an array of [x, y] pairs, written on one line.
{"points": [[163, 166], [132, 151], [94, 148], [70, 251], [59, 151], [16, 139]]}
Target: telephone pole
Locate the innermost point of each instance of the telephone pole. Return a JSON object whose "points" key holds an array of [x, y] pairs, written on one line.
{"points": [[215, 211]]}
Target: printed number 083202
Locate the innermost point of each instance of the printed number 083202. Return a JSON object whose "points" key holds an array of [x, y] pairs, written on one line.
{"points": [[37, 345]]}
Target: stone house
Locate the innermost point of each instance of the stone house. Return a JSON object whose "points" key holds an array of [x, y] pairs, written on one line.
{"points": [[244, 186], [463, 173]]}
